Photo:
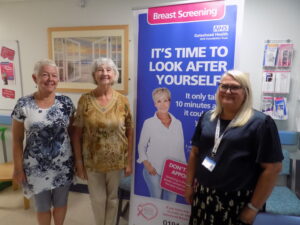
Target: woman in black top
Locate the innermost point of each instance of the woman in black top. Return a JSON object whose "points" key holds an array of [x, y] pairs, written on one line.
{"points": [[235, 159]]}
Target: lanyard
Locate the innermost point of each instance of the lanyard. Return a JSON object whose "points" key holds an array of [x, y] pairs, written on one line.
{"points": [[217, 134]]}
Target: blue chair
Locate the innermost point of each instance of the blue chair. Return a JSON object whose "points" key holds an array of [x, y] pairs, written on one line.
{"points": [[288, 137], [266, 219], [282, 199]]}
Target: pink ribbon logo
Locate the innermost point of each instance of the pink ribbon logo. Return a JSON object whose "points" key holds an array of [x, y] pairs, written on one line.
{"points": [[149, 211]]}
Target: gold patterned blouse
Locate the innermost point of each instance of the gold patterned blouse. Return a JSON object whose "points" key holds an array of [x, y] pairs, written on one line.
{"points": [[104, 141]]}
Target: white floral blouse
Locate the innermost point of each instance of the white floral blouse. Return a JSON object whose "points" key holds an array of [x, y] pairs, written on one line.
{"points": [[47, 157]]}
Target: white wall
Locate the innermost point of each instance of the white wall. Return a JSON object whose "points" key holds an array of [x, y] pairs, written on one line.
{"points": [[28, 21], [271, 20]]}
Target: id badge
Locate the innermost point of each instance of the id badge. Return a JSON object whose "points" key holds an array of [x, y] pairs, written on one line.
{"points": [[209, 164]]}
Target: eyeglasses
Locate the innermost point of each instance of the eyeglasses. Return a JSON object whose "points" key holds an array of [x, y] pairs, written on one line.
{"points": [[232, 88]]}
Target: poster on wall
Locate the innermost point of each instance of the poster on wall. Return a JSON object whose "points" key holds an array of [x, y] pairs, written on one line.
{"points": [[10, 83], [183, 50]]}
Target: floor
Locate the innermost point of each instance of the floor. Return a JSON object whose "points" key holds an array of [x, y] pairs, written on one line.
{"points": [[80, 213], [12, 212]]}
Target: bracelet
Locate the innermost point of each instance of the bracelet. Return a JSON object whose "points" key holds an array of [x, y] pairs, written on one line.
{"points": [[250, 206]]}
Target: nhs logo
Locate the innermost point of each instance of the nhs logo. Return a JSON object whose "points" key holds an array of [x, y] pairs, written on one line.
{"points": [[221, 28]]}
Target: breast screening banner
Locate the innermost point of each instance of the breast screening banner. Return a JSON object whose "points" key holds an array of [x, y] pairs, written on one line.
{"points": [[185, 49]]}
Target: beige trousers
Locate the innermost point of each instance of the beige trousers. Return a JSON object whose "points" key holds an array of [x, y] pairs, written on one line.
{"points": [[103, 188]]}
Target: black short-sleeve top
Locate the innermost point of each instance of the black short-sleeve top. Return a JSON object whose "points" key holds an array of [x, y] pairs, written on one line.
{"points": [[240, 152]]}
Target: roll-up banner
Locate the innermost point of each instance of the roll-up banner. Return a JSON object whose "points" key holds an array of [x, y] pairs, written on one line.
{"points": [[183, 50]]}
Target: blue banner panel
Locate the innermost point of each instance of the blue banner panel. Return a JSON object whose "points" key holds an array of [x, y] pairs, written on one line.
{"points": [[187, 58]]}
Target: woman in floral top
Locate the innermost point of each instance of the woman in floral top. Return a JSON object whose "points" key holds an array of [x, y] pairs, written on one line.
{"points": [[45, 166], [102, 141]]}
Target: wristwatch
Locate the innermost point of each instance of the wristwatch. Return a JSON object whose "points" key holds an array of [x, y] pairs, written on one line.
{"points": [[250, 206]]}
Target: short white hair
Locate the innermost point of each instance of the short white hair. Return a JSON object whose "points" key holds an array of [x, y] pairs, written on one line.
{"points": [[108, 62], [43, 62], [246, 110]]}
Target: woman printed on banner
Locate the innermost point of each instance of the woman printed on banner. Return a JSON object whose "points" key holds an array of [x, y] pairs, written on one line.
{"points": [[161, 139]]}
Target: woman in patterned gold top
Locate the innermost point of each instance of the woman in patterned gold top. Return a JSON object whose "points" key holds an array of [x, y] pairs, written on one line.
{"points": [[102, 141]]}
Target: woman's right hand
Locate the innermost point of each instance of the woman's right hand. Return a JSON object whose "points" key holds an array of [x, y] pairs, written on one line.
{"points": [[19, 176], [188, 194], [81, 172], [151, 170]]}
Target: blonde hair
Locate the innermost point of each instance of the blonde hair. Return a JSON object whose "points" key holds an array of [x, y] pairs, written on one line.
{"points": [[108, 62], [161, 91], [246, 110]]}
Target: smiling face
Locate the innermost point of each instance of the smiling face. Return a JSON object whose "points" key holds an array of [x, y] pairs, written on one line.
{"points": [[104, 75], [47, 79], [162, 103], [231, 94]]}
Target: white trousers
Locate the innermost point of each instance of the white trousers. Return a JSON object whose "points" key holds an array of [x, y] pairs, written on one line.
{"points": [[103, 188]]}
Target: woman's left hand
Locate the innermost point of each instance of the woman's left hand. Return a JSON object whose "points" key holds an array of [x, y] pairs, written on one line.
{"points": [[128, 170], [247, 215]]}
